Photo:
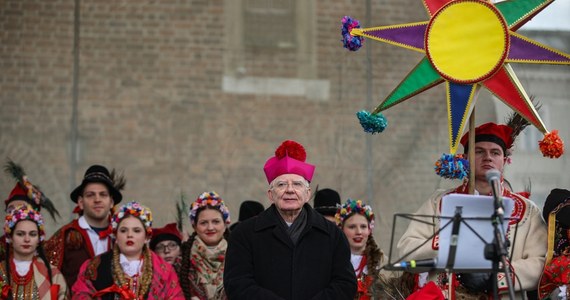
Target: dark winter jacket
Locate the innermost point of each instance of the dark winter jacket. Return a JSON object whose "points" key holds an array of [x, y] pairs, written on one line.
{"points": [[263, 263]]}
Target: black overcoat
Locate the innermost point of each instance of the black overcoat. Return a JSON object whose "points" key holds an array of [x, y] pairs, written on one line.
{"points": [[263, 263]]}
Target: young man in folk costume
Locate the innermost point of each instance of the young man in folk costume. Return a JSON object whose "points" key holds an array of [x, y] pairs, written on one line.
{"points": [[526, 231], [87, 236]]}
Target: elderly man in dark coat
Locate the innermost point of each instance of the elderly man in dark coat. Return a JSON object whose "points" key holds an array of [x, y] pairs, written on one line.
{"points": [[289, 251]]}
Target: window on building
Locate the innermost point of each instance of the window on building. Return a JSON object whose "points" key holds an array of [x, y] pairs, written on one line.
{"points": [[270, 49], [269, 23]]}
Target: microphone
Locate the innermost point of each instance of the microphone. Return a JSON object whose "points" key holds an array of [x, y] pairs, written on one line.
{"points": [[494, 179], [420, 263]]}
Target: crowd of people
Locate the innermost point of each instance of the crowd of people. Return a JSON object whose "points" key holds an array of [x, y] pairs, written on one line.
{"points": [[290, 250]]}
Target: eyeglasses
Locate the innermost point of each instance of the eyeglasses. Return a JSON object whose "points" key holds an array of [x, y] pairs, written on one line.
{"points": [[170, 246], [283, 185]]}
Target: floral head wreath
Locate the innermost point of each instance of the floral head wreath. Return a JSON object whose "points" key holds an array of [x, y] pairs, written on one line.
{"points": [[22, 213], [213, 200], [354, 207], [134, 209]]}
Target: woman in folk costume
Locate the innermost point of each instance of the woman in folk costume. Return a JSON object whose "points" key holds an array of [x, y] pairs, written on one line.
{"points": [[26, 273], [555, 277], [130, 270], [24, 193], [357, 222], [203, 254]]}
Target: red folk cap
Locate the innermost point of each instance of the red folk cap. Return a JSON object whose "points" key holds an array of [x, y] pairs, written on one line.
{"points": [[491, 132], [18, 193]]}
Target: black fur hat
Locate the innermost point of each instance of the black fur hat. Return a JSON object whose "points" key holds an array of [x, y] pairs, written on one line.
{"points": [[326, 201], [555, 198], [248, 209], [100, 174]]}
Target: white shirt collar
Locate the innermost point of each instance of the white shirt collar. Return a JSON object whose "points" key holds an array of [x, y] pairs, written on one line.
{"points": [[83, 223], [130, 267], [98, 245], [22, 266]]}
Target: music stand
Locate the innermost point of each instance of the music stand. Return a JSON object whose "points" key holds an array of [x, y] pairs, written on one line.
{"points": [[475, 232], [472, 227]]}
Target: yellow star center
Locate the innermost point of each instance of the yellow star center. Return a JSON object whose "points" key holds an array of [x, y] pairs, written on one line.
{"points": [[467, 41]]}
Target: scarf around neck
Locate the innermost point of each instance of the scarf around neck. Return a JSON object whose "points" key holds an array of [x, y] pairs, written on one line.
{"points": [[209, 265], [294, 231]]}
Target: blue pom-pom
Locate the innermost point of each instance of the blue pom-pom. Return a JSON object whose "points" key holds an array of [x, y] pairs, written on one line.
{"points": [[349, 41], [452, 166], [372, 123]]}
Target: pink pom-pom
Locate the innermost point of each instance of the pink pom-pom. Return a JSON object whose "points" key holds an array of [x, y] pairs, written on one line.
{"points": [[350, 41]]}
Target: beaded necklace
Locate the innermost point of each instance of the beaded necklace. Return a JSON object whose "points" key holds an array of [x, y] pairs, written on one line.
{"points": [[23, 287], [139, 285]]}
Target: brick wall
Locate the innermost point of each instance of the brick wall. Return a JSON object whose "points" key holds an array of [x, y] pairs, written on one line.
{"points": [[151, 105]]}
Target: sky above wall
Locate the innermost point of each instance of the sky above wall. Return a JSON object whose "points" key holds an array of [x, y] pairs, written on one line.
{"points": [[555, 17]]}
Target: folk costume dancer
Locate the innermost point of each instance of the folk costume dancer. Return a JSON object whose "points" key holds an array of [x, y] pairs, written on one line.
{"points": [[356, 220], [24, 193], [89, 235], [26, 273], [203, 255], [131, 270], [555, 277], [526, 231]]}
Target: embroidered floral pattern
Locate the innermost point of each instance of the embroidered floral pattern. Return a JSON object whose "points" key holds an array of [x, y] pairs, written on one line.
{"points": [[208, 266], [211, 199], [354, 207], [91, 271], [21, 213], [555, 274], [134, 209]]}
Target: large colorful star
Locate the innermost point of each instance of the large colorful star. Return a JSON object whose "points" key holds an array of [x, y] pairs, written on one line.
{"points": [[468, 44]]}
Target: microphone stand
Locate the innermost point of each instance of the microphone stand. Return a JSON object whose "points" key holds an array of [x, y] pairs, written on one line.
{"points": [[454, 237], [453, 243], [497, 250]]}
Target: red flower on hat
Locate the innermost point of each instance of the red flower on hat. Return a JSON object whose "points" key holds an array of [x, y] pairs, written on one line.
{"points": [[292, 149]]}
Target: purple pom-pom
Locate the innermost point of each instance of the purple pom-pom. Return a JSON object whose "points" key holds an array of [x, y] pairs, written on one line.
{"points": [[349, 41], [452, 166], [372, 123]]}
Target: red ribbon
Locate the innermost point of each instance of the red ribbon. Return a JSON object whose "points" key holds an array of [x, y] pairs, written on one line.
{"points": [[363, 286], [6, 290], [430, 291], [364, 282], [54, 291], [361, 266], [105, 233], [124, 292], [77, 210]]}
